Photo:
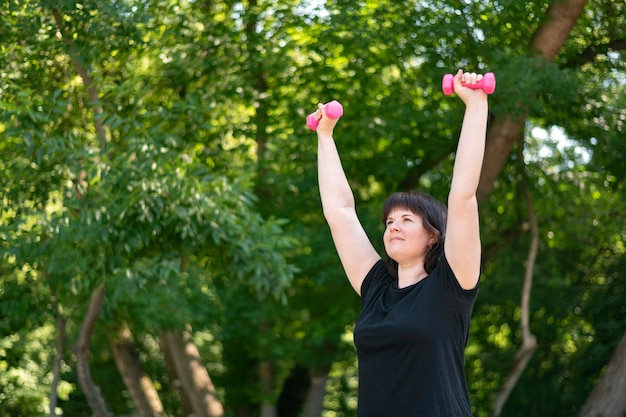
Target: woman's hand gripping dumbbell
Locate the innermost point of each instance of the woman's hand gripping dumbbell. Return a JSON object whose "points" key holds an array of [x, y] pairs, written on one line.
{"points": [[487, 83], [333, 109]]}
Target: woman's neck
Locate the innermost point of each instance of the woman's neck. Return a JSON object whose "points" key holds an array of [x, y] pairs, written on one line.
{"points": [[411, 274]]}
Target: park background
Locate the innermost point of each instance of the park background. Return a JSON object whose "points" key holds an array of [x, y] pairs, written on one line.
{"points": [[162, 242]]}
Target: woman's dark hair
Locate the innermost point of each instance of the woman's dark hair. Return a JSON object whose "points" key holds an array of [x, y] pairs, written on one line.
{"points": [[434, 215]]}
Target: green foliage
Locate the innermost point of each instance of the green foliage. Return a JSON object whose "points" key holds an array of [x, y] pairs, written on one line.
{"points": [[576, 266], [22, 376], [199, 204]]}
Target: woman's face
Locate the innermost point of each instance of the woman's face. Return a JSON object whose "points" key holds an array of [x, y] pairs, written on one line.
{"points": [[405, 238]]}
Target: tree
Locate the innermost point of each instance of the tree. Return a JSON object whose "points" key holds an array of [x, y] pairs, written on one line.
{"points": [[150, 149], [131, 212]]}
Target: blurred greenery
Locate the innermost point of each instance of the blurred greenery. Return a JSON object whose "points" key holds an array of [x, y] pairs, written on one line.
{"points": [[160, 148]]}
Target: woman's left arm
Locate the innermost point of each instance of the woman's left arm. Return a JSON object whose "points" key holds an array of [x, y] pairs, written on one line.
{"points": [[462, 242]]}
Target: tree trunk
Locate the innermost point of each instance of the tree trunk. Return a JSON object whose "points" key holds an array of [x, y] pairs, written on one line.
{"points": [[547, 41], [141, 388], [501, 138], [608, 399], [58, 356], [314, 405], [193, 376], [267, 377], [175, 379], [90, 389], [266, 381], [550, 36]]}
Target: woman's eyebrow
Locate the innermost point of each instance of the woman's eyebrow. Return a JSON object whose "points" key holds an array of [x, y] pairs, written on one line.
{"points": [[408, 214]]}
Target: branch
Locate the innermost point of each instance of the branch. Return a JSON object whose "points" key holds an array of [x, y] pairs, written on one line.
{"points": [[413, 176], [591, 52], [90, 389], [562, 17], [527, 336], [529, 341], [58, 356], [87, 81]]}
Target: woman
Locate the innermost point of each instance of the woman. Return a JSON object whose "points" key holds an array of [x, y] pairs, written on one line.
{"points": [[416, 306]]}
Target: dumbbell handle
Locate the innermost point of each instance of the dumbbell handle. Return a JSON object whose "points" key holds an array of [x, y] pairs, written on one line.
{"points": [[487, 83], [333, 109]]}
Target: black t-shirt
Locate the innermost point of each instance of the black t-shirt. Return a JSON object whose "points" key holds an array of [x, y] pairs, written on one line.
{"points": [[410, 344]]}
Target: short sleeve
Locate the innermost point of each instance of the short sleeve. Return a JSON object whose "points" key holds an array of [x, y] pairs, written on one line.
{"points": [[450, 280], [375, 279]]}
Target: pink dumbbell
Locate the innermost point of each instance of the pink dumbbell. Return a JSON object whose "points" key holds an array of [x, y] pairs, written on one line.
{"points": [[334, 110], [487, 83]]}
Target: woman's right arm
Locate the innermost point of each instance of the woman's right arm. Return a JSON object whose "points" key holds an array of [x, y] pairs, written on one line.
{"points": [[356, 252]]}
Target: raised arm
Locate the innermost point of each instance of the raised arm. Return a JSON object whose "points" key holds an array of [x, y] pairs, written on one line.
{"points": [[355, 250], [462, 244]]}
